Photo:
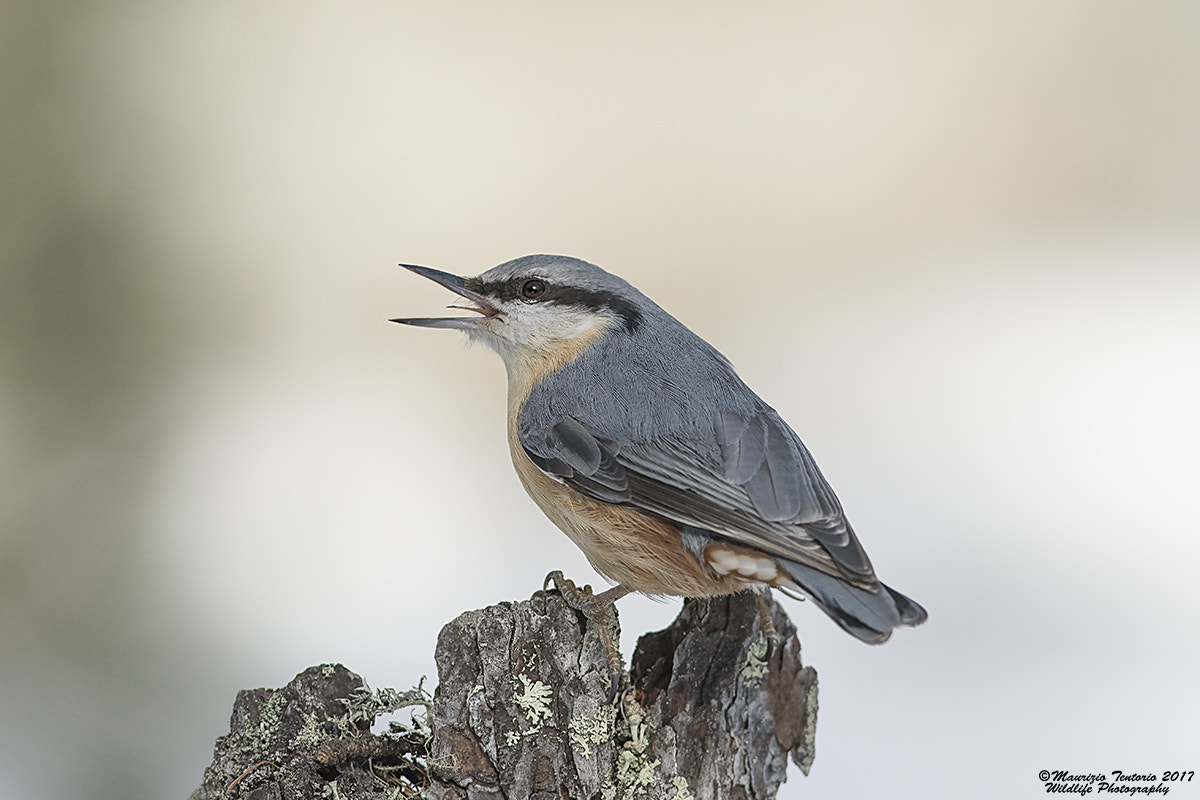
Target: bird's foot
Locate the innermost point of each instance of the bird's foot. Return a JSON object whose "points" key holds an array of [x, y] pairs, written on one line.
{"points": [[774, 640], [596, 608]]}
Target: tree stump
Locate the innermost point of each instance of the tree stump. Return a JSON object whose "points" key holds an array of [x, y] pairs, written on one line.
{"points": [[525, 708]]}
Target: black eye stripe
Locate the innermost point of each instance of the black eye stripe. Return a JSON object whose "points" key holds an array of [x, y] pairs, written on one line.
{"points": [[591, 299]]}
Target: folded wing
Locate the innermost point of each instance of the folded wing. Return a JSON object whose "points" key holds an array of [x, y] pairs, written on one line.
{"points": [[751, 481]]}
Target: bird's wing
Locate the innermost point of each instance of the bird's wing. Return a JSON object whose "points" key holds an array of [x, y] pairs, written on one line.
{"points": [[751, 481]]}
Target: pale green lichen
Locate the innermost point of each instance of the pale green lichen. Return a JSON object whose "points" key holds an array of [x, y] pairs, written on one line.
{"points": [[311, 734], [587, 730], [535, 702], [680, 785], [755, 668], [809, 748], [365, 705], [635, 772], [268, 718]]}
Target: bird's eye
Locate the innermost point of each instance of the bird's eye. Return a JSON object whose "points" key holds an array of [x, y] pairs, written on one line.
{"points": [[533, 289]]}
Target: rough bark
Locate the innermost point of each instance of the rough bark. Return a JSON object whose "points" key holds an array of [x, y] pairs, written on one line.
{"points": [[525, 708]]}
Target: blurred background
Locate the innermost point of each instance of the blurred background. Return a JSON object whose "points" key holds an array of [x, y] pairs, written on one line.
{"points": [[957, 246]]}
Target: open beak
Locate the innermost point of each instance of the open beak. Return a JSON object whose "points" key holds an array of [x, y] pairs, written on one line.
{"points": [[456, 285]]}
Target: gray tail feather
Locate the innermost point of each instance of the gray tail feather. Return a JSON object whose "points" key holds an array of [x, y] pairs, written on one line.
{"points": [[869, 616]]}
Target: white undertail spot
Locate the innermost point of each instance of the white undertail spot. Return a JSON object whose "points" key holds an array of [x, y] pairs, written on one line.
{"points": [[759, 569]]}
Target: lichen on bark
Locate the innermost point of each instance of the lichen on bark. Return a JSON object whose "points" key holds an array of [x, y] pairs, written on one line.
{"points": [[525, 707]]}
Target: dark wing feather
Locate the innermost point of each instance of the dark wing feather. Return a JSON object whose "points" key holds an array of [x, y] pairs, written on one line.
{"points": [[570, 453]]}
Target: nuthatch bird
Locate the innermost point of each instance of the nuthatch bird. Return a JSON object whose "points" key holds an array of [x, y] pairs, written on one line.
{"points": [[638, 439]]}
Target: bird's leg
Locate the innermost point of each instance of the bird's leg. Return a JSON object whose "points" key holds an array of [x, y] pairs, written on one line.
{"points": [[594, 607]]}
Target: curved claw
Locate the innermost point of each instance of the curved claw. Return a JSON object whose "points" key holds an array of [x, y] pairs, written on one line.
{"points": [[767, 625], [557, 578], [616, 680], [774, 643]]}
